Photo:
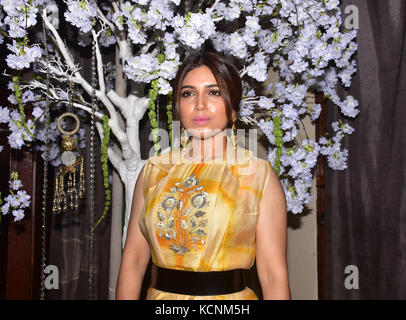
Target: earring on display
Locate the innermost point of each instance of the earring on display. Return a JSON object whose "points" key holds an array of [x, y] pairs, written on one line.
{"points": [[234, 132], [71, 167]]}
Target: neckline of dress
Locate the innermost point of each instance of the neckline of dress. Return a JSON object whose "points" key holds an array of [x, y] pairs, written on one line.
{"points": [[169, 158], [230, 154]]}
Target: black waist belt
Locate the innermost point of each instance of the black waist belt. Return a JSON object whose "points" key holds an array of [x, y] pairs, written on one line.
{"points": [[197, 283]]}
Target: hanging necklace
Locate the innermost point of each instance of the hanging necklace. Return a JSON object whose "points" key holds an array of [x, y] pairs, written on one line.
{"points": [[92, 176], [45, 180]]}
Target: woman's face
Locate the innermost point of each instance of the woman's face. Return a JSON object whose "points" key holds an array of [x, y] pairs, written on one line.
{"points": [[202, 106]]}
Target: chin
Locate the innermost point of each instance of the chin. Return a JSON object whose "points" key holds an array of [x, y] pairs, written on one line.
{"points": [[204, 133]]}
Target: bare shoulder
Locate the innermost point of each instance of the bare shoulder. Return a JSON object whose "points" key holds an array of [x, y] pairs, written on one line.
{"points": [[140, 185], [265, 175], [271, 187]]}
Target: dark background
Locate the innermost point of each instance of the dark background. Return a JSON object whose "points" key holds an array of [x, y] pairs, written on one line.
{"points": [[365, 211]]}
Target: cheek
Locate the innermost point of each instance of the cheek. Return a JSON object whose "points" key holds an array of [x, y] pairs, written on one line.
{"points": [[185, 111], [217, 107], [185, 107]]}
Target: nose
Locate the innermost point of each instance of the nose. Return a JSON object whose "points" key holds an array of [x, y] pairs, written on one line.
{"points": [[200, 102]]}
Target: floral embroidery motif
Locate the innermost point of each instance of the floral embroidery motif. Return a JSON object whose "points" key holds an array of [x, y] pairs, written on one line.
{"points": [[182, 220]]}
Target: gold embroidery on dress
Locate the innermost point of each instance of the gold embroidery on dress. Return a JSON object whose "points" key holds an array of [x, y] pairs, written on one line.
{"points": [[182, 220]]}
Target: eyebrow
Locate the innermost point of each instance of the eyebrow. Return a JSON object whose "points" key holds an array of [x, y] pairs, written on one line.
{"points": [[207, 86]]}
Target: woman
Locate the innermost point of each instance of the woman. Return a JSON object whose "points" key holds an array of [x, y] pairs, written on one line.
{"points": [[200, 210]]}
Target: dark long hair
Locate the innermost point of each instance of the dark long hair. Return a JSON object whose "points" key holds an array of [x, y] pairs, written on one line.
{"points": [[225, 72]]}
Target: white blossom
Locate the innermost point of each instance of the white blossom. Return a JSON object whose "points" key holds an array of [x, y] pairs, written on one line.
{"points": [[195, 30], [18, 214], [22, 56], [4, 115], [20, 15], [81, 14], [164, 86], [258, 68], [338, 160], [141, 68], [237, 45], [267, 128], [15, 139], [15, 184], [252, 23], [23, 198], [5, 208], [107, 38], [349, 107], [315, 111]]}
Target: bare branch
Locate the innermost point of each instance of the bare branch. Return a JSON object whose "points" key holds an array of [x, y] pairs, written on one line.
{"points": [[35, 84], [115, 6], [116, 161], [119, 102], [213, 6], [114, 122], [121, 36], [99, 64], [146, 46], [249, 120], [105, 20]]}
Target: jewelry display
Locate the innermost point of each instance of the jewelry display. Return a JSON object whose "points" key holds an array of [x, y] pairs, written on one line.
{"points": [[67, 195], [92, 175], [45, 180]]}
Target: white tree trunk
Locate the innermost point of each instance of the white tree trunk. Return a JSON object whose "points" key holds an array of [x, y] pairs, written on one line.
{"points": [[129, 164], [116, 197]]}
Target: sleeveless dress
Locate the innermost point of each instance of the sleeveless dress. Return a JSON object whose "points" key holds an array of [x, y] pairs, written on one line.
{"points": [[203, 216]]}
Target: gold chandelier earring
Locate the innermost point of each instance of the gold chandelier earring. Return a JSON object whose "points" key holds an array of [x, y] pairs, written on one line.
{"points": [[184, 138], [234, 132]]}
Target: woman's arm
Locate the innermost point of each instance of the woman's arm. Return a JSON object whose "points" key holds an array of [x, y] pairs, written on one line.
{"points": [[271, 240], [136, 252]]}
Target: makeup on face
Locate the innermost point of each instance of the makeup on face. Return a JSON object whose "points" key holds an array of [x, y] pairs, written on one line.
{"points": [[202, 105], [201, 119]]}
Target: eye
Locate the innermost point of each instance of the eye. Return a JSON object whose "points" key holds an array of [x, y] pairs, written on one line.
{"points": [[215, 93], [186, 93]]}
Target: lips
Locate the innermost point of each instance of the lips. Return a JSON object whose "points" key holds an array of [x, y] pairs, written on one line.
{"points": [[201, 120]]}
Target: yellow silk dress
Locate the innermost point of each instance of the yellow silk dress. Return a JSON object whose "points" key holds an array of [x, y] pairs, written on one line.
{"points": [[203, 216]]}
